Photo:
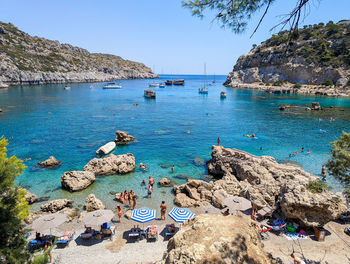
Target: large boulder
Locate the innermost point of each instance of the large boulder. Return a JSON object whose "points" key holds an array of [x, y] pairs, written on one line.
{"points": [[77, 180], [92, 203], [106, 149], [56, 205], [112, 164], [183, 200], [51, 162], [30, 197], [312, 209], [216, 239], [123, 138], [165, 182]]}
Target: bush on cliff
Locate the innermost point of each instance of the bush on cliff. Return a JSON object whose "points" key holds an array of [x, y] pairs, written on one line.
{"points": [[339, 164], [13, 209], [297, 85], [317, 186], [328, 83]]}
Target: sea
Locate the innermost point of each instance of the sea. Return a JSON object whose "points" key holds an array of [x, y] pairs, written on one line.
{"points": [[177, 128]]}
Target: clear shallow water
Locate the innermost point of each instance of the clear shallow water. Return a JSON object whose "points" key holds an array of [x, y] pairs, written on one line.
{"points": [[177, 127]]}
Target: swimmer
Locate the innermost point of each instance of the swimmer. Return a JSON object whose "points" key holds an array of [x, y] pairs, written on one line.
{"points": [[253, 135], [260, 148], [308, 151], [290, 155], [302, 149], [143, 182], [142, 166], [173, 168]]}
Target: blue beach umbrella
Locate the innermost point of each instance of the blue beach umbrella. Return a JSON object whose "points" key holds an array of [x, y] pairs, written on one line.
{"points": [[143, 215], [181, 215]]}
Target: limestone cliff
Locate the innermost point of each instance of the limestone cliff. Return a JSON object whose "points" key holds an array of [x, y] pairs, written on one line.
{"points": [[316, 55], [25, 59]]}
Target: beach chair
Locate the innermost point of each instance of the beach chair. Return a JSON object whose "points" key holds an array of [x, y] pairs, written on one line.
{"points": [[64, 240], [167, 233], [34, 244], [135, 233], [108, 232], [150, 236]]}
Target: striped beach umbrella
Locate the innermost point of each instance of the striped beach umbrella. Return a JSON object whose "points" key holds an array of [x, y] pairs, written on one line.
{"points": [[143, 215], [181, 215]]}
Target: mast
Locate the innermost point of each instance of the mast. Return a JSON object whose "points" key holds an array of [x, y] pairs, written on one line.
{"points": [[205, 75]]}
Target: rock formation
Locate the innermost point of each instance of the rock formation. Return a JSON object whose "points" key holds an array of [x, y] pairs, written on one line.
{"points": [[30, 197], [58, 63], [123, 138], [77, 180], [51, 162], [165, 182], [216, 239], [111, 165], [92, 203], [264, 182], [56, 205], [315, 58], [105, 149]]}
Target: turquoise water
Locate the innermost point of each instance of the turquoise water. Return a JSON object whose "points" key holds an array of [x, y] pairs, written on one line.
{"points": [[177, 127]]}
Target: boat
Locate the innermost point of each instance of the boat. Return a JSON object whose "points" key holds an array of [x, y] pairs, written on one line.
{"points": [[179, 82], [149, 94], [67, 87], [204, 89], [168, 82], [162, 85], [153, 85], [223, 94], [112, 85]]}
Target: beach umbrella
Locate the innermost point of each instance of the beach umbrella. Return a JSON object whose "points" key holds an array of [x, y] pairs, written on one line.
{"points": [[237, 203], [143, 215], [46, 222], [98, 217], [181, 215]]}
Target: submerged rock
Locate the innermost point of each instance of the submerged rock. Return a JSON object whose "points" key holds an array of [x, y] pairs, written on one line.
{"points": [[92, 203], [51, 162], [111, 165], [77, 180], [123, 138], [106, 149], [198, 161], [216, 239], [165, 165], [30, 197], [165, 182]]}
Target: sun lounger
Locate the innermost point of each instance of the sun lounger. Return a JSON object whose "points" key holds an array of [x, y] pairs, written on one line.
{"points": [[64, 240], [108, 232], [86, 236], [167, 233], [149, 236]]}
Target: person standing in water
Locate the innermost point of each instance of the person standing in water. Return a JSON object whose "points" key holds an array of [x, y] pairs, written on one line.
{"points": [[130, 198], [162, 210], [173, 168], [218, 141], [149, 190], [150, 181], [323, 173]]}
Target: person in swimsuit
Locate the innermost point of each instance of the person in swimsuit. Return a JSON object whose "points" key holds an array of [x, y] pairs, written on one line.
{"points": [[218, 141], [120, 213], [173, 168], [162, 210], [323, 173], [134, 202], [149, 190], [130, 198], [151, 181]]}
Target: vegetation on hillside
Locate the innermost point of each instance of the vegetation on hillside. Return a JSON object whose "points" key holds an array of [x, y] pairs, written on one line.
{"points": [[324, 45]]}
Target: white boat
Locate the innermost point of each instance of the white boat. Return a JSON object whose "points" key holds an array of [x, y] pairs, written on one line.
{"points": [[154, 85], [67, 87], [162, 85], [112, 86], [105, 149], [204, 89]]}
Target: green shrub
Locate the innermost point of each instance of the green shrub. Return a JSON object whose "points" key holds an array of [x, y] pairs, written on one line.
{"points": [[317, 186], [278, 83], [267, 84], [329, 82], [346, 193], [297, 85], [41, 259]]}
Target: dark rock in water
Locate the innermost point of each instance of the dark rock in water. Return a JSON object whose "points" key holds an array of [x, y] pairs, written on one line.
{"points": [[165, 182], [181, 165], [43, 199], [198, 161], [206, 178], [1, 110], [165, 165], [316, 106], [112, 193], [282, 108], [290, 162], [114, 182], [182, 177]]}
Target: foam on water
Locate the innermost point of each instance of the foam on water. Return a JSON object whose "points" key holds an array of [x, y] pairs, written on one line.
{"points": [[177, 127]]}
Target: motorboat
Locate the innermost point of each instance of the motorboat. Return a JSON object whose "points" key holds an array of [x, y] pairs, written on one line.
{"points": [[153, 85], [168, 82], [179, 82], [112, 85], [223, 94], [162, 85], [149, 94], [203, 90], [67, 87]]}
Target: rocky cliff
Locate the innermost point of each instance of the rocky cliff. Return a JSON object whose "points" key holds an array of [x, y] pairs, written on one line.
{"points": [[25, 59], [316, 55]]}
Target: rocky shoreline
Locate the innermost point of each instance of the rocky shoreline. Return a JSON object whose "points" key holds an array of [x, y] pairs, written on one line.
{"points": [[314, 90]]}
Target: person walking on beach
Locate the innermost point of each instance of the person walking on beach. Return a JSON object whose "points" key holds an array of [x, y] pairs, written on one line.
{"points": [[173, 168], [150, 181], [218, 141], [162, 210], [119, 212], [126, 196], [134, 202], [149, 190]]}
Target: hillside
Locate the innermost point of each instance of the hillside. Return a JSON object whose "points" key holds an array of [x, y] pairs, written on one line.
{"points": [[317, 55], [25, 59]]}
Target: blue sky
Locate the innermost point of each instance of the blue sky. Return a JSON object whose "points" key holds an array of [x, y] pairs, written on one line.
{"points": [[160, 33]]}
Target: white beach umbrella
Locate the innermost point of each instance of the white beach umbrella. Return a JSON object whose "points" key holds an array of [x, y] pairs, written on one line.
{"points": [[98, 217], [49, 221]]}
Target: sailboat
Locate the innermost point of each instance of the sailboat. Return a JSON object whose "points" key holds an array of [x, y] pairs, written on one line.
{"points": [[204, 90]]}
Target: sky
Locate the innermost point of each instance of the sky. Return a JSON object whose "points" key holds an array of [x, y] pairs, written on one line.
{"points": [[160, 33]]}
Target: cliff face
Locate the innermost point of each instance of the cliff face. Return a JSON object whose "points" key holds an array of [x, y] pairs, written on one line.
{"points": [[317, 54], [25, 59]]}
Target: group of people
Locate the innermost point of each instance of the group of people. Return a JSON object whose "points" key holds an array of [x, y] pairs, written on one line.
{"points": [[296, 152], [128, 196]]}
